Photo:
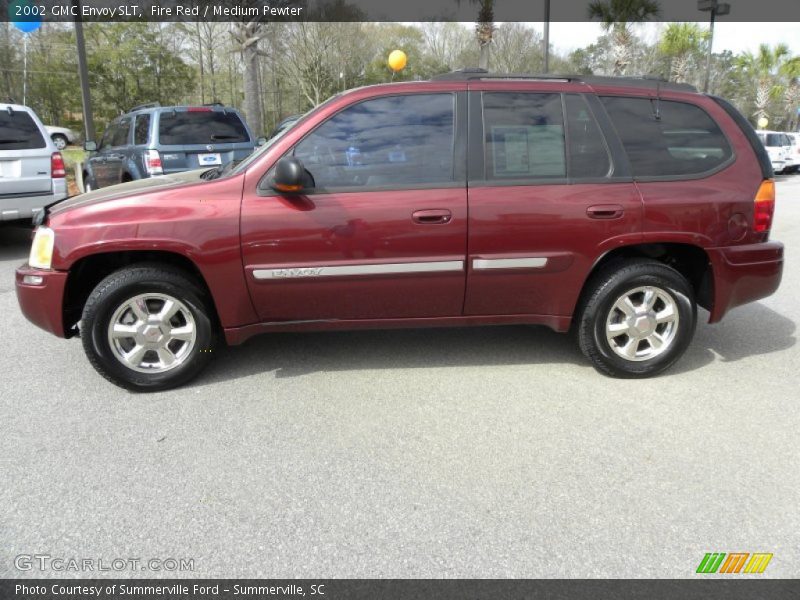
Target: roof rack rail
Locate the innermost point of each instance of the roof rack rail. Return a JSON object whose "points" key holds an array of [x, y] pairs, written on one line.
{"points": [[646, 81], [652, 82], [469, 73], [146, 105]]}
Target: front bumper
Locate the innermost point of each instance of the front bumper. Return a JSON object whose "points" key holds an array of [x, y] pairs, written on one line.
{"points": [[744, 274], [42, 303]]}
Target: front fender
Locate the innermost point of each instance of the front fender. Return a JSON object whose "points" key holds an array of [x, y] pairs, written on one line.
{"points": [[198, 222]]}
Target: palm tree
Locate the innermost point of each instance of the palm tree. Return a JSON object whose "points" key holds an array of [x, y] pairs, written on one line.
{"points": [[682, 42], [790, 72], [484, 29], [762, 68], [616, 16]]}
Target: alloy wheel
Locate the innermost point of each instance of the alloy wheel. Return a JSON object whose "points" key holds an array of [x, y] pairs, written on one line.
{"points": [[152, 333], [642, 323]]}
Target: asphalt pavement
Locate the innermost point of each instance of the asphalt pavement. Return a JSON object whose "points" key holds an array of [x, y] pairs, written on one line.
{"points": [[483, 452]]}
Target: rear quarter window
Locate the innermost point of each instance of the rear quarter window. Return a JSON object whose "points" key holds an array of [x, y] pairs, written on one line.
{"points": [[665, 138], [185, 128], [18, 131]]}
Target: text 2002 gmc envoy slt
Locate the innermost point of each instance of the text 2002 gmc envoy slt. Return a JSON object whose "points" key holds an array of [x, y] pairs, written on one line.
{"points": [[612, 207]]}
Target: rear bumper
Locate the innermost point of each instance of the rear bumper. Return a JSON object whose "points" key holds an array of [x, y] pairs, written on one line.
{"points": [[744, 274], [42, 304], [24, 207]]}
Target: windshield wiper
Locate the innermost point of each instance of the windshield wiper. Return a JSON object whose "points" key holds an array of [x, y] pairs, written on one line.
{"points": [[218, 172], [211, 173]]}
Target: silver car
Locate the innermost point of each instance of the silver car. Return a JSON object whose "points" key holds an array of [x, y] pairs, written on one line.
{"points": [[32, 170], [62, 136]]}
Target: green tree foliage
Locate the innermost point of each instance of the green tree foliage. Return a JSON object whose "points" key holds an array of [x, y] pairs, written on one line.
{"points": [[616, 17], [685, 45], [763, 70], [302, 64], [132, 63]]}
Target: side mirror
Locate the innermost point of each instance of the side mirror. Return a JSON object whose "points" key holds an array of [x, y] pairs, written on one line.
{"points": [[290, 175], [90, 146], [261, 141]]}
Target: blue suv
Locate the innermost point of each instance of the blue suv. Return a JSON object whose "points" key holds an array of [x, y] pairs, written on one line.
{"points": [[155, 140]]}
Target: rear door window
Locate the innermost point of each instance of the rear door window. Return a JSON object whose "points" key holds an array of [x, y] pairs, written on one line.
{"points": [[18, 131], [524, 136], [141, 129], [665, 138], [108, 134], [185, 128], [120, 133]]}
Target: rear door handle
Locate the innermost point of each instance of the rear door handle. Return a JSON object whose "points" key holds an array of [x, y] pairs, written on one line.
{"points": [[605, 211], [435, 216]]}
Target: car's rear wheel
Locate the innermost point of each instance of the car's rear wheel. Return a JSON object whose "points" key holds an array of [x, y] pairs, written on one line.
{"points": [[59, 140], [147, 328], [638, 319]]}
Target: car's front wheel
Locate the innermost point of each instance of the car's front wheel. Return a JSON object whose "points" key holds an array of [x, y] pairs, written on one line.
{"points": [[147, 328], [638, 319]]}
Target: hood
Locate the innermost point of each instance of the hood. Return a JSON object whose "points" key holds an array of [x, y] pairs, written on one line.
{"points": [[125, 190]]}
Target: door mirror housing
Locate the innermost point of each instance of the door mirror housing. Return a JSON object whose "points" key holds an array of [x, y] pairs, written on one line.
{"points": [[90, 146], [261, 141], [290, 176]]}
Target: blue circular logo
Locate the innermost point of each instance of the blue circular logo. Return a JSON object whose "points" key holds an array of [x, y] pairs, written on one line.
{"points": [[24, 16]]}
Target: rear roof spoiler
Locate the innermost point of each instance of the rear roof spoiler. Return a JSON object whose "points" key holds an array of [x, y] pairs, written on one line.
{"points": [[750, 133]]}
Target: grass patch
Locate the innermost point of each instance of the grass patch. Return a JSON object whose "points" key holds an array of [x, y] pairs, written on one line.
{"points": [[73, 156]]}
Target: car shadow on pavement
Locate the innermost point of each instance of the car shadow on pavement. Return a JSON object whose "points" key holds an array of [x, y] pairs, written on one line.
{"points": [[296, 354], [751, 330]]}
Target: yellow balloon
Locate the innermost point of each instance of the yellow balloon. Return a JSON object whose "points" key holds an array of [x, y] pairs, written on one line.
{"points": [[763, 122], [397, 60]]}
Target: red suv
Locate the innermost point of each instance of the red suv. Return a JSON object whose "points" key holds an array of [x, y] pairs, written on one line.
{"points": [[612, 207]]}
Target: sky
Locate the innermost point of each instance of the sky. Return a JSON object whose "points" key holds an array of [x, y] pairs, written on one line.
{"points": [[736, 37]]}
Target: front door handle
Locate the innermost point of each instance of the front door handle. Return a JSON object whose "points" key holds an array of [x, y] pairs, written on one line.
{"points": [[605, 211], [435, 216]]}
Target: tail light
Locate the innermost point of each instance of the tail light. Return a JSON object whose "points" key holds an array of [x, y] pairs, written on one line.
{"points": [[764, 206], [152, 163], [57, 168]]}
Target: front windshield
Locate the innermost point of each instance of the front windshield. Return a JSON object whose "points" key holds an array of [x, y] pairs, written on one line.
{"points": [[258, 152]]}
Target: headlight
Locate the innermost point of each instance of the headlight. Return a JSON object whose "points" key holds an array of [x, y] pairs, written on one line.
{"points": [[42, 248]]}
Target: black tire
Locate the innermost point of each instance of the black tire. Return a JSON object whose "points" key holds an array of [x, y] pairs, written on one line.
{"points": [[60, 141], [89, 184], [112, 292], [603, 292]]}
